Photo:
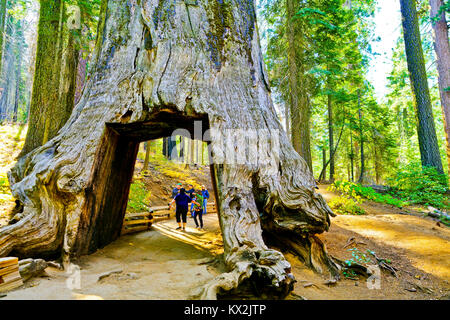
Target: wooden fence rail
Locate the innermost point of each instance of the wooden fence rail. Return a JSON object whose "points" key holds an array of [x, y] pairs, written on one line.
{"points": [[141, 221]]}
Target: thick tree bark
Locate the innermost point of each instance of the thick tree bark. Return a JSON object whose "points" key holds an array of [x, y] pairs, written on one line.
{"points": [[160, 67], [68, 79], [299, 108], [43, 119], [429, 150], [442, 48]]}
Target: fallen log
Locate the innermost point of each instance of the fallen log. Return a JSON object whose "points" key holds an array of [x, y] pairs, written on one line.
{"points": [[29, 268]]}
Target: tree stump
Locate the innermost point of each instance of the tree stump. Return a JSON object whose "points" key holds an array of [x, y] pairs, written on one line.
{"points": [[161, 66]]}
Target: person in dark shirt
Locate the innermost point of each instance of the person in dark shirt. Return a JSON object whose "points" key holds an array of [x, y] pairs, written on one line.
{"points": [[182, 201]]}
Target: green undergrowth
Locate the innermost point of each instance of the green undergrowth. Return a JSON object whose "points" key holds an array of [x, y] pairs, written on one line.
{"points": [[361, 193], [411, 185]]}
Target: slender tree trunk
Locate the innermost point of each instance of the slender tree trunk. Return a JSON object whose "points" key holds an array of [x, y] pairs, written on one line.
{"points": [[442, 48], [299, 108], [3, 10], [44, 100], [324, 162], [287, 120], [361, 142], [330, 137], [147, 155], [18, 81], [429, 150], [352, 156], [182, 155], [191, 151]]}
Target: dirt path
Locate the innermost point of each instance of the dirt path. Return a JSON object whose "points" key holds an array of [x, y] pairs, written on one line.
{"points": [[164, 263], [415, 245]]}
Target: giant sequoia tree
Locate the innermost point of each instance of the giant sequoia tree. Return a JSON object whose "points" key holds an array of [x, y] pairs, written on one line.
{"points": [[429, 150], [160, 66]]}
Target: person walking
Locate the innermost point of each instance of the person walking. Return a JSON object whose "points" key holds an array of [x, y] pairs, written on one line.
{"points": [[182, 201], [190, 192], [197, 201], [205, 195]]}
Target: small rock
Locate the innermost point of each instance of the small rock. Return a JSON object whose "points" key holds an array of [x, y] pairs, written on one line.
{"points": [[330, 282], [309, 284], [411, 289], [356, 284]]}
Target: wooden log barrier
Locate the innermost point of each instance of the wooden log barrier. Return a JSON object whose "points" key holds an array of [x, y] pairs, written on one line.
{"points": [[142, 221]]}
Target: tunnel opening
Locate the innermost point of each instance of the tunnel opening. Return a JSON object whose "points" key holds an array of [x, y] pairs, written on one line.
{"points": [[107, 195]]}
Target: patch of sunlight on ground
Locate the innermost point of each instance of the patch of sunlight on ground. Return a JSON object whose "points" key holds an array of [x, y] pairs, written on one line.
{"points": [[79, 296], [429, 249]]}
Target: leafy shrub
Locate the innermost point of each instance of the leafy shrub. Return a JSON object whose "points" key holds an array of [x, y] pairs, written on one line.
{"points": [[139, 200], [346, 205], [357, 191], [420, 185]]}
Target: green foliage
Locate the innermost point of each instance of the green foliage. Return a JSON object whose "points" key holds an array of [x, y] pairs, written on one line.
{"points": [[358, 191], [139, 200], [420, 185], [358, 257], [346, 205], [4, 185]]}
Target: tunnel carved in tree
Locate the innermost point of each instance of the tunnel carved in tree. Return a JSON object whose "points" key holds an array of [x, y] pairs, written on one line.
{"points": [[157, 69]]}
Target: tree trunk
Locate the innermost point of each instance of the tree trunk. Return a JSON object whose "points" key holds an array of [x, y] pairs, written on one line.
{"points": [[2, 30], [43, 117], [68, 79], [18, 79], [147, 155], [299, 108], [324, 162], [442, 48], [161, 66], [191, 152], [429, 150], [331, 137], [182, 155], [361, 143], [352, 157]]}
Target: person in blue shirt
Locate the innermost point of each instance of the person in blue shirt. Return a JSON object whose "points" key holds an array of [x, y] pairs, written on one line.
{"points": [[182, 201], [190, 192], [176, 190], [205, 195]]}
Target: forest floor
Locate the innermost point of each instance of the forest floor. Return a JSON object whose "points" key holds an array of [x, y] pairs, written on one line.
{"points": [[164, 263]]}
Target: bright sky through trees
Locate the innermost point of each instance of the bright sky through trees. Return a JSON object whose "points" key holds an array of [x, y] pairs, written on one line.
{"points": [[388, 28]]}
